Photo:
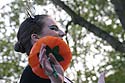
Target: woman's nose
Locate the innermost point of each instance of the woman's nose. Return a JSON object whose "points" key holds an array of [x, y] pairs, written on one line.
{"points": [[61, 33]]}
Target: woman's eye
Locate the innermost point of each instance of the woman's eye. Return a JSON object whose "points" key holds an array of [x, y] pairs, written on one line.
{"points": [[53, 27]]}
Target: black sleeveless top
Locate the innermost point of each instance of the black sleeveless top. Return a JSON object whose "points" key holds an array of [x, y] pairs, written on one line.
{"points": [[29, 77]]}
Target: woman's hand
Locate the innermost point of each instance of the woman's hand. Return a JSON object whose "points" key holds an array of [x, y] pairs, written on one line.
{"points": [[47, 66]]}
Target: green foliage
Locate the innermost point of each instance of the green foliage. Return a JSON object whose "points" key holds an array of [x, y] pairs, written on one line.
{"points": [[100, 13], [9, 61], [117, 77], [41, 2]]}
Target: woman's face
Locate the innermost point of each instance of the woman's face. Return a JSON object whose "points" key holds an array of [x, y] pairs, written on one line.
{"points": [[51, 29]]}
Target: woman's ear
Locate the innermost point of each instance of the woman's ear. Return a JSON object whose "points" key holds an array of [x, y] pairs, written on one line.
{"points": [[34, 38]]}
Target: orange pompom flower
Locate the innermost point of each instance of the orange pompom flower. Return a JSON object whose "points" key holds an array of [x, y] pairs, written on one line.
{"points": [[54, 45]]}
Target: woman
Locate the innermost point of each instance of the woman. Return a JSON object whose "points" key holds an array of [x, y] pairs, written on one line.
{"points": [[29, 32]]}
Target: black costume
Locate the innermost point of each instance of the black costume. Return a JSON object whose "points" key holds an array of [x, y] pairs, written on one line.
{"points": [[29, 77]]}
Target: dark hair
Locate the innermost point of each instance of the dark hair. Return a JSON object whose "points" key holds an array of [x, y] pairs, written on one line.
{"points": [[28, 27]]}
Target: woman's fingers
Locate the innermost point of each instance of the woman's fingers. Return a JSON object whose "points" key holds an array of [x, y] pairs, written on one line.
{"points": [[47, 65], [42, 52], [58, 67], [53, 59], [46, 62]]}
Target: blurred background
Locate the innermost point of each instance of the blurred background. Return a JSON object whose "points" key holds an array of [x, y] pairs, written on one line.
{"points": [[94, 31]]}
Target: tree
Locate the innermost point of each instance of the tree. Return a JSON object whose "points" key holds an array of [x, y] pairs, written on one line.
{"points": [[78, 19]]}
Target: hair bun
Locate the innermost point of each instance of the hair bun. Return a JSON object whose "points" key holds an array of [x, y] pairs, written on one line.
{"points": [[19, 47]]}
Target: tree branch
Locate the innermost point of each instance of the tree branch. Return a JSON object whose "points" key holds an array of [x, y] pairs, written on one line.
{"points": [[66, 31], [117, 45], [120, 10]]}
